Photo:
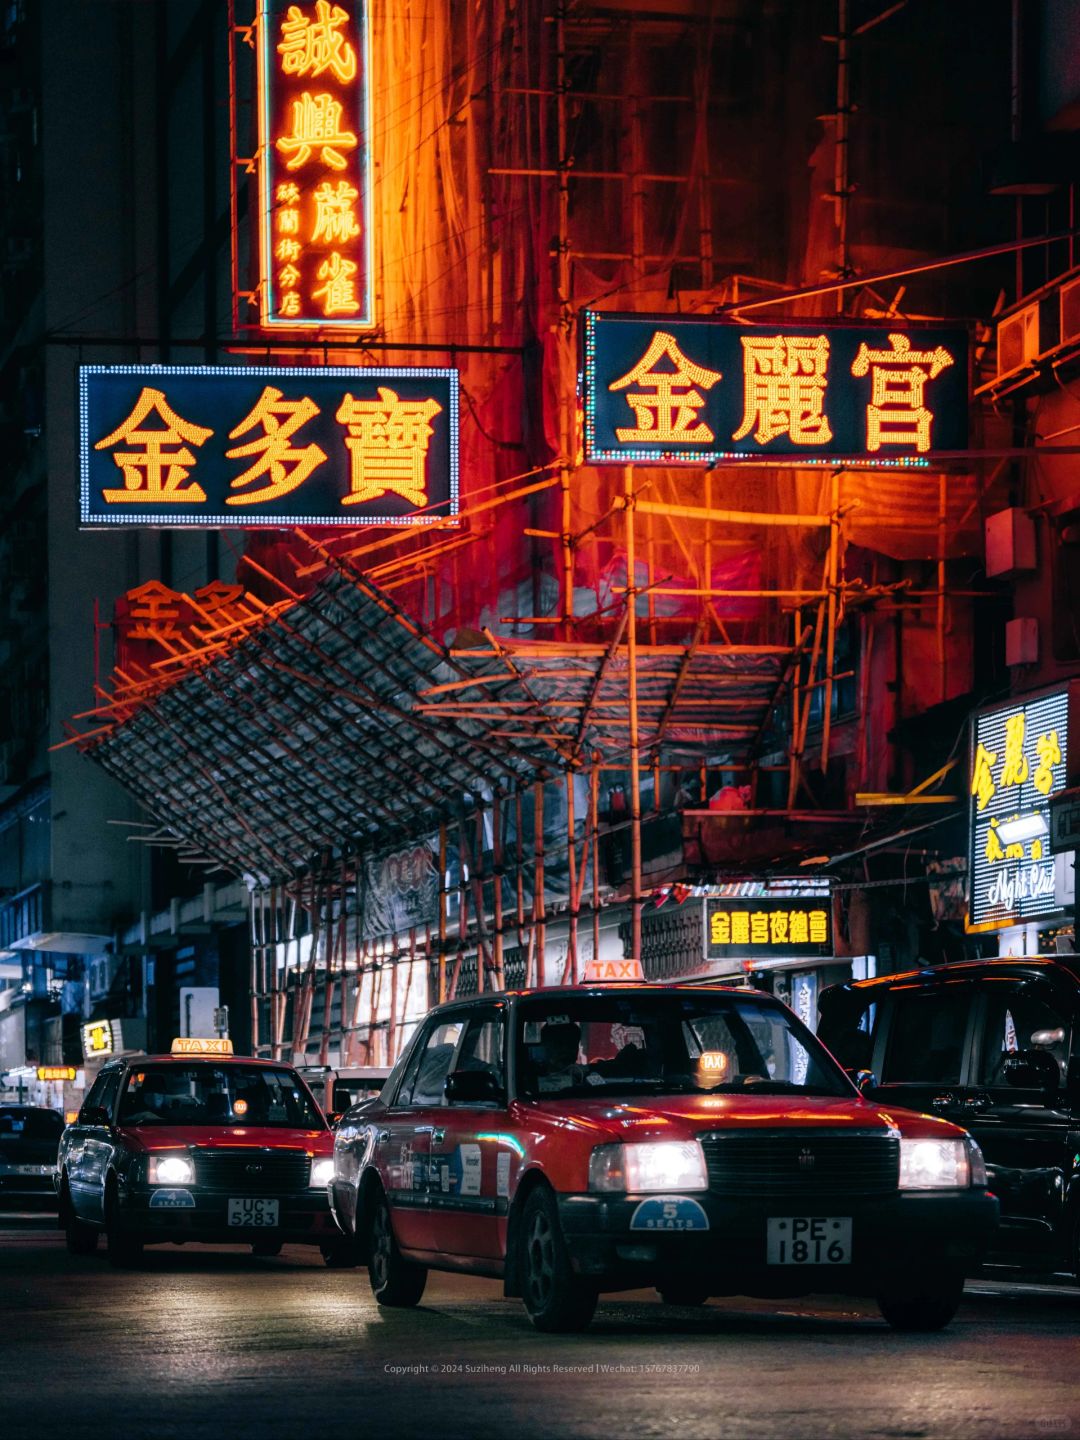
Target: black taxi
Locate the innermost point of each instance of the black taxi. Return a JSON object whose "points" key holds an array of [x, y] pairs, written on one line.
{"points": [[699, 1140], [198, 1145]]}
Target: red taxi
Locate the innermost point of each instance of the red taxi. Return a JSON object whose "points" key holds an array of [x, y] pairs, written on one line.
{"points": [[701, 1141], [197, 1145]]}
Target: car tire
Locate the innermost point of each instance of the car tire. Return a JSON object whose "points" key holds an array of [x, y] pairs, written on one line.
{"points": [[124, 1247], [80, 1238], [925, 1307], [341, 1255], [682, 1292], [557, 1300], [266, 1249], [395, 1281]]}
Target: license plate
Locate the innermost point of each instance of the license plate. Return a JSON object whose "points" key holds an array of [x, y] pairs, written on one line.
{"points": [[34, 1169], [257, 1213], [809, 1240]]}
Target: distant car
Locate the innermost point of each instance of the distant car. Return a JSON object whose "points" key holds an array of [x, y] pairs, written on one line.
{"points": [[698, 1140], [197, 1145], [338, 1089], [993, 1045], [29, 1140]]}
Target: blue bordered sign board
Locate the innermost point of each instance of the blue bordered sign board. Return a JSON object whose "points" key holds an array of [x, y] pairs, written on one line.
{"points": [[664, 390], [215, 446]]}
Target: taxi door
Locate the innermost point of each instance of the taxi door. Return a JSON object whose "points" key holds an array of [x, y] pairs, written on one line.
{"points": [[1025, 1133], [89, 1149], [404, 1138], [471, 1151]]}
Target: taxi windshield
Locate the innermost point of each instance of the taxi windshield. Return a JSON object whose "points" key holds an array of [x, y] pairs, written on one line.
{"points": [[205, 1093], [635, 1044]]}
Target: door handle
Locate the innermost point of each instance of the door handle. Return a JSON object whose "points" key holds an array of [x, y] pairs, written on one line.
{"points": [[383, 1136], [438, 1136], [942, 1102], [978, 1102]]}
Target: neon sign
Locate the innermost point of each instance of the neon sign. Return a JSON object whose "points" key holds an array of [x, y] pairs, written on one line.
{"points": [[315, 258], [1019, 759], [737, 929], [217, 446], [663, 389]]}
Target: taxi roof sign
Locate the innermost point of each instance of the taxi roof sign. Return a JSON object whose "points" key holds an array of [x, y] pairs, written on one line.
{"points": [[194, 1045]]}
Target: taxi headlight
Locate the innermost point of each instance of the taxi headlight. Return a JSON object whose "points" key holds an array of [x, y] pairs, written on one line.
{"points": [[170, 1170], [322, 1172], [650, 1165], [941, 1164]]}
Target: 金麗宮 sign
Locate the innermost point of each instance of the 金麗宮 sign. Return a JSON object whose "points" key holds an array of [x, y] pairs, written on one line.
{"points": [[767, 928], [663, 389], [314, 189], [1019, 760], [217, 446]]}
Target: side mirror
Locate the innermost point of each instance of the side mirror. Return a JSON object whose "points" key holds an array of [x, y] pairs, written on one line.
{"points": [[1032, 1070], [333, 1117], [96, 1115], [863, 1080], [472, 1087]]}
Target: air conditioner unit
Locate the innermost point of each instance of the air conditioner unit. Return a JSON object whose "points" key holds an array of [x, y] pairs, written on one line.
{"points": [[1010, 543], [1022, 641], [1069, 301], [1018, 339]]}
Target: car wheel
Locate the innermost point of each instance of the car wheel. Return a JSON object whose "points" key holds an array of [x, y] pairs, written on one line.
{"points": [[81, 1239], [124, 1247], [266, 1249], [556, 1299], [395, 1281], [926, 1307], [682, 1292], [341, 1255]]}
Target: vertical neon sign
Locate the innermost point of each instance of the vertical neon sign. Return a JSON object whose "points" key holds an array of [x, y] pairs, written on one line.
{"points": [[315, 263]]}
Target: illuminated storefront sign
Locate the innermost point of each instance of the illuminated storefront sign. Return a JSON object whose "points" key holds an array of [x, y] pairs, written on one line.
{"points": [[1018, 761], [314, 187], [216, 445], [767, 928], [56, 1072], [662, 389], [100, 1038]]}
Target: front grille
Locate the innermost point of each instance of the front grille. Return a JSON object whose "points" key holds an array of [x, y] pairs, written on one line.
{"points": [[252, 1172], [801, 1162]]}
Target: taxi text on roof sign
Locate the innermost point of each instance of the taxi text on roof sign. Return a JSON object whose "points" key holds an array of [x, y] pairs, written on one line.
{"points": [[222, 445], [315, 238], [663, 389], [195, 1045]]}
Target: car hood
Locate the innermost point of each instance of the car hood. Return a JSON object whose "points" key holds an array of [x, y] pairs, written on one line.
{"points": [[232, 1137], [660, 1117]]}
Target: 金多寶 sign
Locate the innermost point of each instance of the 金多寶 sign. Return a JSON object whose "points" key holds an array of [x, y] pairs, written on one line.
{"points": [[767, 927], [217, 445], [663, 389], [314, 188], [1019, 759]]}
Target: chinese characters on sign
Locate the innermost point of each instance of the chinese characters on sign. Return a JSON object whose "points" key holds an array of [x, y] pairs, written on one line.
{"points": [[1018, 760], [767, 927], [169, 445], [665, 389], [315, 236]]}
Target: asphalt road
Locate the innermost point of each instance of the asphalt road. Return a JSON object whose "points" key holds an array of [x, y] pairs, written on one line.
{"points": [[213, 1343]]}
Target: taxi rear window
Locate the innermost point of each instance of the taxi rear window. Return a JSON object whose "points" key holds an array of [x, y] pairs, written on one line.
{"points": [[205, 1093]]}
